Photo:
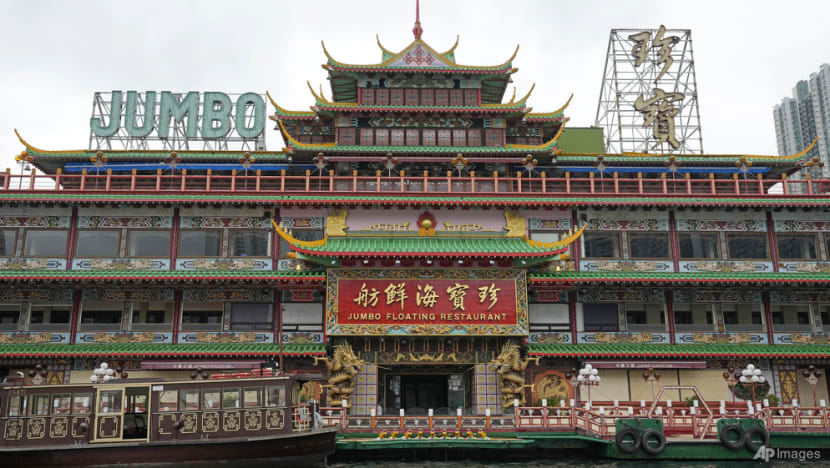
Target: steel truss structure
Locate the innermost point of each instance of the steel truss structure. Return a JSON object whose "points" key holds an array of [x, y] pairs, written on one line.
{"points": [[178, 140], [625, 79]]}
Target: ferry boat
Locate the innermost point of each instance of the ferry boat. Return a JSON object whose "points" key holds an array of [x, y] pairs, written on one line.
{"points": [[139, 422]]}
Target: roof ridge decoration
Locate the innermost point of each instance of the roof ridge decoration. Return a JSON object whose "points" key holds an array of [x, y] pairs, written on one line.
{"points": [[548, 115], [38, 150], [293, 141], [792, 157], [571, 238], [288, 113], [426, 57]]}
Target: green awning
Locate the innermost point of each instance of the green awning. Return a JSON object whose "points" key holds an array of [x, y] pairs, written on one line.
{"points": [[160, 350], [678, 350], [672, 277], [469, 246]]}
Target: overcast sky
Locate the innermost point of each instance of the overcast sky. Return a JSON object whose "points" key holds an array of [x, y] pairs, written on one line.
{"points": [[55, 54]]}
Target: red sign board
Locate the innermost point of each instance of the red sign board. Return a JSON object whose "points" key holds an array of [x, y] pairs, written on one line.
{"points": [[426, 302]]}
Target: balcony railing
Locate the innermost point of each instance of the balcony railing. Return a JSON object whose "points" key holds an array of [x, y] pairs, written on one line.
{"points": [[257, 182]]}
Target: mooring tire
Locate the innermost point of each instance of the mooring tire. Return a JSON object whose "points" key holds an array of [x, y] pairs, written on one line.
{"points": [[738, 430], [622, 446], [649, 434], [750, 444]]}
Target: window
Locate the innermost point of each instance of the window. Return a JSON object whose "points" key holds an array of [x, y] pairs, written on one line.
{"points": [[9, 316], [459, 137], [549, 317], [600, 317], [696, 245], [367, 96], [382, 97], [827, 242], [97, 243], [7, 238], [382, 137], [692, 314], [300, 234], [230, 398], [110, 401], [168, 400], [302, 316], [81, 403], [601, 244], [795, 316], [824, 310], [60, 403], [427, 97], [250, 316], [742, 316], [429, 137], [396, 97], [101, 315], [471, 97], [189, 400], [456, 97], [148, 243], [412, 137], [493, 136], [49, 316], [444, 138], [250, 243], [210, 398], [149, 316], [442, 97], [199, 243], [202, 316], [747, 246], [474, 137], [411, 97], [45, 243], [17, 405], [252, 397], [39, 405], [397, 137], [797, 246], [367, 136], [274, 396], [642, 314], [649, 244]]}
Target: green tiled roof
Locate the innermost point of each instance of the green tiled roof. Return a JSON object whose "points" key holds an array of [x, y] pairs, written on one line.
{"points": [[160, 350], [661, 159], [679, 350], [680, 277], [465, 150], [509, 107], [162, 275], [433, 200], [437, 245], [159, 156]]}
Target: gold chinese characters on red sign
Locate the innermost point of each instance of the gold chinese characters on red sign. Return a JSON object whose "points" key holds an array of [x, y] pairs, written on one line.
{"points": [[460, 302]]}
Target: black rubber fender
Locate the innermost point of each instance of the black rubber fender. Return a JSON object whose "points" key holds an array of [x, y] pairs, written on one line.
{"points": [[760, 431], [737, 430], [650, 434], [622, 446]]}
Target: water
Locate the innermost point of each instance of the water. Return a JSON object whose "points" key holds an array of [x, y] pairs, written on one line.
{"points": [[575, 461]]}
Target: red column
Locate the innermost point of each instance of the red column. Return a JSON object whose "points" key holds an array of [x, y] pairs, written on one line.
{"points": [[73, 234], [674, 242], [174, 239], [767, 316], [572, 313], [575, 245], [670, 314], [773, 246], [76, 310], [177, 314]]}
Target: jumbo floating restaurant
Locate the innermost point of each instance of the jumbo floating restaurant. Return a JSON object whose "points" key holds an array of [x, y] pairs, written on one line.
{"points": [[466, 255]]}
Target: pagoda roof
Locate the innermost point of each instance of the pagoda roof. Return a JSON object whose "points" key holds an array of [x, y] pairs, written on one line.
{"points": [[154, 276], [161, 350], [509, 245], [678, 350], [547, 147], [735, 277]]}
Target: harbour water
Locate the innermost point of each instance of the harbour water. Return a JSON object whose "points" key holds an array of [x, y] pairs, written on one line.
{"points": [[578, 462]]}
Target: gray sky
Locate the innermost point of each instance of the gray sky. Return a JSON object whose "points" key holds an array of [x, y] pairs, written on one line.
{"points": [[55, 54]]}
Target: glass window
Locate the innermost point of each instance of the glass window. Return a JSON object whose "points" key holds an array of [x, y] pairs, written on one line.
{"points": [[9, 316], [97, 243], [202, 315], [49, 316], [210, 398], [275, 396], [189, 400], [252, 316], [302, 316], [827, 242], [81, 403], [824, 310], [230, 398], [444, 138], [17, 405], [649, 244], [747, 246], [152, 313], [549, 317], [741, 314], [641, 314], [50, 243], [168, 400], [692, 314], [252, 397], [698, 245], [300, 234], [797, 246], [110, 401], [141, 243], [600, 317], [428, 137], [790, 314], [39, 405], [601, 244], [199, 243], [60, 403], [101, 315], [7, 238], [250, 243]]}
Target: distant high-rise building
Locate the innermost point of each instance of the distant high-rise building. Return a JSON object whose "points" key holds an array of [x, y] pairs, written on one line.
{"points": [[799, 119]]}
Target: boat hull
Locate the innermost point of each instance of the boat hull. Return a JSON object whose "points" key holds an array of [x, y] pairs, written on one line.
{"points": [[300, 449]]}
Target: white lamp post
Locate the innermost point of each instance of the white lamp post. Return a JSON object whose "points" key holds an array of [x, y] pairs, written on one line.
{"points": [[589, 377], [752, 376]]}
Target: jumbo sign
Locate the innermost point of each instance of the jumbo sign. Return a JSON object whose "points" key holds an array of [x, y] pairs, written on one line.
{"points": [[210, 115], [426, 302]]}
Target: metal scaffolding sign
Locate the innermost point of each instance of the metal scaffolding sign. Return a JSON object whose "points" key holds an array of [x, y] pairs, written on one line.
{"points": [[213, 121], [648, 100]]}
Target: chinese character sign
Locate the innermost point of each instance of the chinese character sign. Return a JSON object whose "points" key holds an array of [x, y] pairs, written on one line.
{"points": [[663, 46], [659, 112], [442, 301]]}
